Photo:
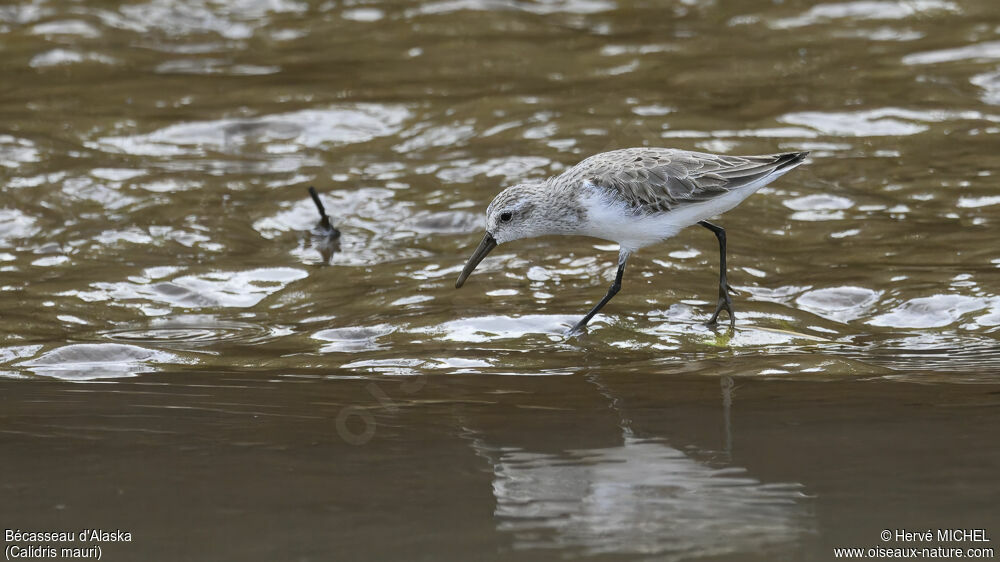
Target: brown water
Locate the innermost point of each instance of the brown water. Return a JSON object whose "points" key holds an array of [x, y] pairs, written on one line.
{"points": [[177, 361]]}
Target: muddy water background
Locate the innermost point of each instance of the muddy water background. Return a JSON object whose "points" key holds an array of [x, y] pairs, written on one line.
{"points": [[177, 360]]}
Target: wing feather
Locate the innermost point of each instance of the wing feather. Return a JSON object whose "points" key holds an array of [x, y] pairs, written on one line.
{"points": [[661, 179]]}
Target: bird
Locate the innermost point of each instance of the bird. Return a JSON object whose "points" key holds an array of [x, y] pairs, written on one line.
{"points": [[636, 197]]}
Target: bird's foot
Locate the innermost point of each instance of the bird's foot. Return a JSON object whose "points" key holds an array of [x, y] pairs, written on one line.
{"points": [[725, 303], [578, 330]]}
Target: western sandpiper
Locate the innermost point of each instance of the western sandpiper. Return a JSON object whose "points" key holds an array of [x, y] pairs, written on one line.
{"points": [[635, 197]]}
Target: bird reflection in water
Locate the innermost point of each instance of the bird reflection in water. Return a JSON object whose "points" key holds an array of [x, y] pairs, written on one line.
{"points": [[641, 496]]}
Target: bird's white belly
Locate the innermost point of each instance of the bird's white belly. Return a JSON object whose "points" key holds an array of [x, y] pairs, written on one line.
{"points": [[612, 220]]}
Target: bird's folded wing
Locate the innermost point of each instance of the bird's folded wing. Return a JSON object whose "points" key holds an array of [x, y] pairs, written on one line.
{"points": [[662, 180]]}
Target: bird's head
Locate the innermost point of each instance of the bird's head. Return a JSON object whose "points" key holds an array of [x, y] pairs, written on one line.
{"points": [[521, 211]]}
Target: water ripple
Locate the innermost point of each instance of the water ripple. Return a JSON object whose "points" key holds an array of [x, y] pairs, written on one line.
{"points": [[14, 225], [981, 51], [239, 289], [353, 339], [311, 128], [15, 151], [492, 328], [866, 10], [237, 19], [935, 311], [872, 123], [186, 332], [538, 7], [89, 361], [841, 304]]}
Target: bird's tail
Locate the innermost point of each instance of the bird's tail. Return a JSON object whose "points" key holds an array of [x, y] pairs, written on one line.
{"points": [[789, 160]]}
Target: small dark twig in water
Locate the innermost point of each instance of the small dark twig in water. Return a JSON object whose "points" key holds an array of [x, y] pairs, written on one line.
{"points": [[325, 237], [324, 221]]}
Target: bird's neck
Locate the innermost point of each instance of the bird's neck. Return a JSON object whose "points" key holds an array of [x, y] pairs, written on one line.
{"points": [[562, 211]]}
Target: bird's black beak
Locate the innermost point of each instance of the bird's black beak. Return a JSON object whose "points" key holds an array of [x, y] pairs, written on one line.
{"points": [[484, 248]]}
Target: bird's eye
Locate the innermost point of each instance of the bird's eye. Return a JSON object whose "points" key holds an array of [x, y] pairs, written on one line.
{"points": [[505, 217]]}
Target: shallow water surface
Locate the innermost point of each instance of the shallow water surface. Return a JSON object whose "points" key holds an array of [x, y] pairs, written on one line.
{"points": [[179, 358]]}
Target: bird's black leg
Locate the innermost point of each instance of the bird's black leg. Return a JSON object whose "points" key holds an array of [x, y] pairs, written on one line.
{"points": [[725, 303], [612, 291]]}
